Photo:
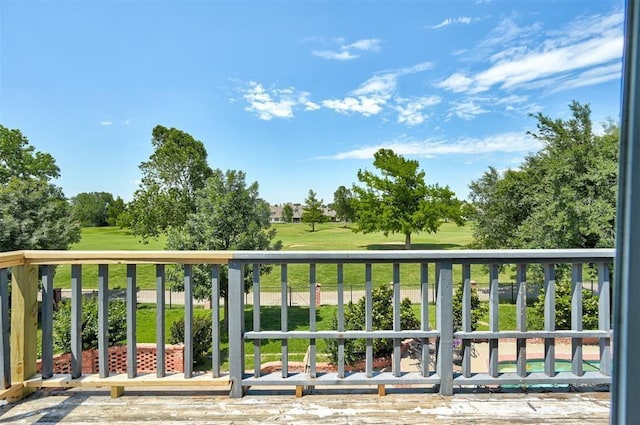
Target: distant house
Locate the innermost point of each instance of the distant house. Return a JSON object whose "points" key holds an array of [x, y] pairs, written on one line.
{"points": [[276, 213]]}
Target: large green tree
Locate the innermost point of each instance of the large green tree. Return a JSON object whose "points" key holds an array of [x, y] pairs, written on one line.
{"points": [[91, 208], [229, 215], [313, 212], [398, 200], [563, 196], [175, 171], [34, 214], [344, 205]]}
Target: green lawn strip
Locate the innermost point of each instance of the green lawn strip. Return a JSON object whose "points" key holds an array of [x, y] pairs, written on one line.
{"points": [[328, 236]]}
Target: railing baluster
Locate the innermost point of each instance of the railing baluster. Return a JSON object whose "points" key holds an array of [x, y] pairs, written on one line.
{"points": [[103, 320], [494, 314], [76, 321], [256, 319], [521, 319], [312, 319], [284, 319], [160, 321], [604, 317], [397, 342], [5, 358], [368, 318], [47, 321], [549, 319], [132, 342], [576, 318], [466, 319], [445, 325], [188, 320], [340, 273], [215, 320], [236, 327], [424, 316]]}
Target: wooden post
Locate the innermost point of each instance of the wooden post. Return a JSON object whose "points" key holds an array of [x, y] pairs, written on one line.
{"points": [[24, 325]]}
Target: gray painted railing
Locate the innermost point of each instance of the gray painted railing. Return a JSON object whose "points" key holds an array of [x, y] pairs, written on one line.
{"points": [[443, 376], [443, 263]]}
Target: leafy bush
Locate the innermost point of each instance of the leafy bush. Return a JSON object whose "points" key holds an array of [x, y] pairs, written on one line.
{"points": [[117, 320], [202, 339], [477, 309], [382, 312], [563, 308]]}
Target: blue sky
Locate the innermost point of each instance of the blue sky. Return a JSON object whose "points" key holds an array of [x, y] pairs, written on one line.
{"points": [[300, 94]]}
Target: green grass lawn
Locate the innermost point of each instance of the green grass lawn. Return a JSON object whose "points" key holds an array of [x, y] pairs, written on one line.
{"points": [[328, 236]]}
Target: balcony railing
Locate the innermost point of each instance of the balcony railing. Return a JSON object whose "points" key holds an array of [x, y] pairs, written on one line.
{"points": [[18, 344]]}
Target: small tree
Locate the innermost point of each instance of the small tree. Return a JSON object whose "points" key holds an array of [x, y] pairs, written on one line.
{"points": [[313, 212], [344, 205], [399, 201], [287, 213], [382, 315], [62, 325]]}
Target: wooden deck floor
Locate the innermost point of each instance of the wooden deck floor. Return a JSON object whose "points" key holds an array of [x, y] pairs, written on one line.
{"points": [[400, 406]]}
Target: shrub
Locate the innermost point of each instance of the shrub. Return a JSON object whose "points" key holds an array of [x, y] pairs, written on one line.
{"points": [[117, 329], [201, 331], [382, 311], [477, 309], [563, 308]]}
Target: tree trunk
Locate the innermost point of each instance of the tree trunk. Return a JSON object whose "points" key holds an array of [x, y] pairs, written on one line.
{"points": [[407, 241], [313, 226]]}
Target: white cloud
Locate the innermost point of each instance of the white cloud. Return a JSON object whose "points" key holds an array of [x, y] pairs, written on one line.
{"points": [[558, 61], [331, 54], [274, 103], [106, 123], [410, 111], [505, 142], [466, 109], [372, 95], [449, 21], [366, 106], [367, 45], [126, 122], [346, 51], [311, 106], [456, 82]]}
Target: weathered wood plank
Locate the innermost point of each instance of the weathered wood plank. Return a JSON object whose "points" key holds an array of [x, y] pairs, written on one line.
{"points": [[127, 257], [24, 324]]}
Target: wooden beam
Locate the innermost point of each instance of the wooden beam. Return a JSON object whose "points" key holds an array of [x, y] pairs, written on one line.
{"points": [[24, 324], [127, 257], [11, 259]]}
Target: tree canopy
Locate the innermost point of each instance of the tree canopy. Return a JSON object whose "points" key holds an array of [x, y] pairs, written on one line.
{"points": [[397, 200], [229, 215], [344, 205], [563, 196], [34, 214], [175, 171], [91, 209], [313, 212], [287, 213], [20, 160]]}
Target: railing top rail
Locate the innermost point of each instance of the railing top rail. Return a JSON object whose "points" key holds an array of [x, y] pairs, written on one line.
{"points": [[10, 259], [456, 256], [127, 257], [510, 256]]}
